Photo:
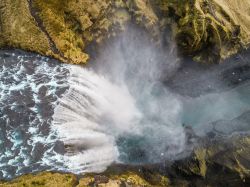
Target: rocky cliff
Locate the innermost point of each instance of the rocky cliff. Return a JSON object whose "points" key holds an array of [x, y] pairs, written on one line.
{"points": [[210, 30], [207, 30], [63, 29]]}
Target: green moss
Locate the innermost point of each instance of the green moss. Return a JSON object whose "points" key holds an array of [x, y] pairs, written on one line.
{"points": [[126, 178], [59, 23], [19, 29], [72, 24], [46, 179], [200, 155], [61, 29], [207, 30]]}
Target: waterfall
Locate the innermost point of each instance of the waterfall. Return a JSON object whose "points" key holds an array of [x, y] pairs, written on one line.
{"points": [[90, 116], [119, 110]]}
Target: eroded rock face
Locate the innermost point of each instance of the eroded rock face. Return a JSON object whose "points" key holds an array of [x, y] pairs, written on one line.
{"points": [[56, 28], [218, 162], [19, 29], [210, 30], [62, 29], [207, 30]]}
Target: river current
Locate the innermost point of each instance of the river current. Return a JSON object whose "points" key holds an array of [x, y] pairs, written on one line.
{"points": [[61, 117]]}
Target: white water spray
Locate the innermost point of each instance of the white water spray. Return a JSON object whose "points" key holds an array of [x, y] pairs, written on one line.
{"points": [[90, 116], [120, 109]]}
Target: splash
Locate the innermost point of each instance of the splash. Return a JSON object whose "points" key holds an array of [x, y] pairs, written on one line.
{"points": [[90, 116], [119, 110], [61, 117]]}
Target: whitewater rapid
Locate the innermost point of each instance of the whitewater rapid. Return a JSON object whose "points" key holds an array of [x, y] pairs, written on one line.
{"points": [[70, 118], [89, 117], [120, 109], [30, 86], [95, 113]]}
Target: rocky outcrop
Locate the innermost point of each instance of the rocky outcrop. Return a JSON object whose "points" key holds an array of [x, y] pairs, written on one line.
{"points": [[63, 29], [214, 162], [19, 29], [55, 28], [49, 179], [207, 30], [43, 179], [218, 162]]}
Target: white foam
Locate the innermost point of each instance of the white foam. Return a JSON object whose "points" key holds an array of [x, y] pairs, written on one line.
{"points": [[92, 113], [17, 78], [116, 100]]}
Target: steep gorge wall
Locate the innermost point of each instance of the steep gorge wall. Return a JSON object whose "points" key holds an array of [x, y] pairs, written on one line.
{"points": [[63, 29], [208, 30], [56, 28]]}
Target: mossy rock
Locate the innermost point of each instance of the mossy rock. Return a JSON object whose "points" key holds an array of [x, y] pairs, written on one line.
{"points": [[63, 29], [207, 30], [46, 179], [223, 158], [18, 28]]}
